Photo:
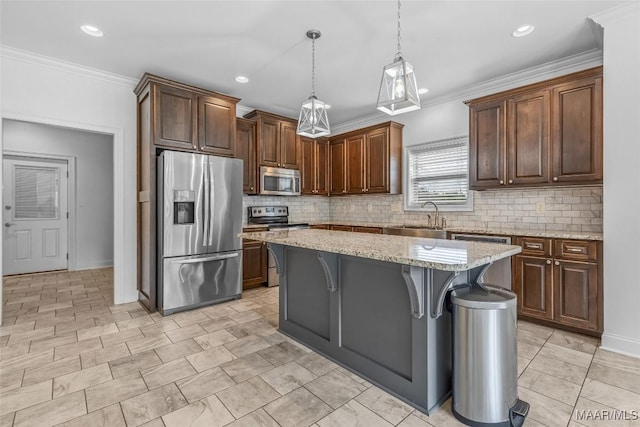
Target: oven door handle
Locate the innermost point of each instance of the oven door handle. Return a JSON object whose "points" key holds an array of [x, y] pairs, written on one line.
{"points": [[207, 259]]}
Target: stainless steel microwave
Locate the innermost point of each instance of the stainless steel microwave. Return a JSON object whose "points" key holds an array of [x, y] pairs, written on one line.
{"points": [[279, 181]]}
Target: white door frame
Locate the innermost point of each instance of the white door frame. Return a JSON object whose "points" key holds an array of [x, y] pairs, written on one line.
{"points": [[119, 186], [71, 197]]}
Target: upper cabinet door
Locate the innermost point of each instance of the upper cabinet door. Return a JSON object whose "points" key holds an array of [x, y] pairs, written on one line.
{"points": [[307, 169], [355, 147], [322, 167], [289, 146], [487, 144], [577, 131], [175, 118], [246, 150], [216, 126], [377, 161], [528, 138], [269, 142], [337, 166]]}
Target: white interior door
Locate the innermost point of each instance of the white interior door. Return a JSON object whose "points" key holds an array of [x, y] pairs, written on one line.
{"points": [[34, 214]]}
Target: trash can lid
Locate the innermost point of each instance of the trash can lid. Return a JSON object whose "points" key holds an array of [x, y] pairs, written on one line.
{"points": [[487, 297]]}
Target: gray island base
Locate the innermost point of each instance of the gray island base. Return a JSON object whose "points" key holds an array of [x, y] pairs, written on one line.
{"points": [[383, 320]]}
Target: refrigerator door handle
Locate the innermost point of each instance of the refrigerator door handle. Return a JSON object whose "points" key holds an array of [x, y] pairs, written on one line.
{"points": [[212, 201], [207, 259], [207, 210]]}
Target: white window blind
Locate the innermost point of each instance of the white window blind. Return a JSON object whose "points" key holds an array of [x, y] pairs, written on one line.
{"points": [[438, 172], [36, 193]]}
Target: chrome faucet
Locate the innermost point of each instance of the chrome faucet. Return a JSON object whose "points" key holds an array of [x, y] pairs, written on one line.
{"points": [[435, 219]]}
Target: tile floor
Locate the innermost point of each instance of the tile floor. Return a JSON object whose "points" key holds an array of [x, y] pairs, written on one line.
{"points": [[69, 357]]}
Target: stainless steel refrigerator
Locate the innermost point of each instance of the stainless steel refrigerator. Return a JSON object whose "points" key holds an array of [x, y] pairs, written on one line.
{"points": [[200, 253]]}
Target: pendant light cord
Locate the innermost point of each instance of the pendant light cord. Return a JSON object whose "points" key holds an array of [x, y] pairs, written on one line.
{"points": [[313, 66], [399, 49]]}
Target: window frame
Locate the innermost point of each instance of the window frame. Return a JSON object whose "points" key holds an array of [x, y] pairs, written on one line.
{"points": [[442, 206]]}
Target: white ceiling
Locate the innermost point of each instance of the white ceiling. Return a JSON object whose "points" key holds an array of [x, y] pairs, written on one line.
{"points": [[451, 44]]}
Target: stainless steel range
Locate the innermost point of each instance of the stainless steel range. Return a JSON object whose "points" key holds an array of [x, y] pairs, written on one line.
{"points": [[274, 218]]}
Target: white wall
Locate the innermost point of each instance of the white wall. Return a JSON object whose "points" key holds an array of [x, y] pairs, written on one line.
{"points": [[621, 201], [41, 90], [93, 210]]}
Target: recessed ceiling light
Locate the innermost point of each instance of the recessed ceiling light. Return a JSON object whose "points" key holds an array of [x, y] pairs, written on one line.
{"points": [[523, 31], [423, 90], [92, 31], [242, 79]]}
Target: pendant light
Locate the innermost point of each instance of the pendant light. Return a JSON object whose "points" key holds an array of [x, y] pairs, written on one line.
{"points": [[398, 88], [313, 121]]}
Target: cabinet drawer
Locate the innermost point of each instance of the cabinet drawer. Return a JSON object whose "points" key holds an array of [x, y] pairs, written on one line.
{"points": [[341, 227], [535, 246], [372, 230], [575, 249]]}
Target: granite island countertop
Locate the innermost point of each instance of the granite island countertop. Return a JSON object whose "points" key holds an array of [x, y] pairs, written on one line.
{"points": [[447, 255]]}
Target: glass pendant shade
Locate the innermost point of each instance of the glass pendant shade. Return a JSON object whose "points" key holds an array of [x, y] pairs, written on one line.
{"points": [[398, 88], [313, 121]]}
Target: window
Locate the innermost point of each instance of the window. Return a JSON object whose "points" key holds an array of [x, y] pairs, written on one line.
{"points": [[438, 171]]}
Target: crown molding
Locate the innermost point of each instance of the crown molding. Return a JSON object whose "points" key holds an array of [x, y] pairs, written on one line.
{"points": [[616, 13], [65, 66], [242, 110]]}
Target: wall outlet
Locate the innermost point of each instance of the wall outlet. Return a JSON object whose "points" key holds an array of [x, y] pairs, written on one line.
{"points": [[540, 207]]}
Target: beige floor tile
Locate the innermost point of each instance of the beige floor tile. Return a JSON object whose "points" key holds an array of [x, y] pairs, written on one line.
{"points": [[257, 327], [531, 337], [154, 423], [50, 320], [185, 333], [247, 345], [10, 380], [245, 316], [52, 342], [97, 331], [214, 339], [382, 403], [135, 323], [20, 398], [121, 337], [209, 412], [217, 324], [152, 404], [442, 417], [526, 350], [614, 376], [103, 355], [167, 373], [564, 391], [51, 370], [180, 349], [522, 364], [544, 409], [6, 420], [557, 368], [80, 380], [565, 354], [75, 326], [353, 414], [281, 353], [213, 357], [11, 351], [106, 394], [148, 343], [56, 306], [189, 318], [288, 377], [52, 412], [248, 396], [64, 351], [163, 325], [134, 363], [616, 360], [17, 328], [26, 361], [258, 418], [353, 376], [335, 388], [316, 363], [413, 421], [204, 384], [246, 367], [107, 417], [574, 341], [609, 395], [299, 407], [593, 414], [543, 331], [36, 334]]}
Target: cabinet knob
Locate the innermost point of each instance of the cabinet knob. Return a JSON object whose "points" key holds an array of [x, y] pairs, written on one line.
{"points": [[251, 188], [501, 182], [548, 261], [344, 191], [555, 178], [510, 181], [557, 263]]}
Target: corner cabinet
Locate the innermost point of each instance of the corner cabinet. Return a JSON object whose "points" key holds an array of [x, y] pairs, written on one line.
{"points": [[175, 116], [246, 150], [314, 170], [254, 263], [559, 281], [277, 141], [547, 133]]}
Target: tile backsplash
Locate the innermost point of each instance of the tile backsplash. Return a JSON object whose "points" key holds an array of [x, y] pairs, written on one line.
{"points": [[536, 209]]}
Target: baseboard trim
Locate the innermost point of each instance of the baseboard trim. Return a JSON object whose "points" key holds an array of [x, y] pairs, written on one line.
{"points": [[620, 344]]}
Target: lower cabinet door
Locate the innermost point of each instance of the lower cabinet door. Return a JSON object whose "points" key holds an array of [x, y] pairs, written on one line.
{"points": [[254, 264], [533, 285], [576, 294]]}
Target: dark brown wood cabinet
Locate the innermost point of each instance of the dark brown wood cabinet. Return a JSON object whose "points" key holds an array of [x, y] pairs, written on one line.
{"points": [[176, 116], [254, 263], [367, 160], [314, 169], [277, 141], [542, 134], [559, 281], [246, 150]]}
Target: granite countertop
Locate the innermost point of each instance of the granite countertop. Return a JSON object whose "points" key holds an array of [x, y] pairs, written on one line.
{"points": [[447, 255], [506, 231]]}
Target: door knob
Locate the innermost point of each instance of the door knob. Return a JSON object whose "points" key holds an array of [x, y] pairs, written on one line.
{"points": [[557, 263], [8, 224], [548, 261]]}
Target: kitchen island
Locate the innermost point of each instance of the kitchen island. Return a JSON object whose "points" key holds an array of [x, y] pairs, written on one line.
{"points": [[376, 303]]}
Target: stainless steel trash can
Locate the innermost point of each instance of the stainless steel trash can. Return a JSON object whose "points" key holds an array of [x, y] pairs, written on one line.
{"points": [[485, 370]]}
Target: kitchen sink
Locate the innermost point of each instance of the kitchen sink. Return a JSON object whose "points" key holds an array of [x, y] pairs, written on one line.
{"points": [[412, 231]]}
